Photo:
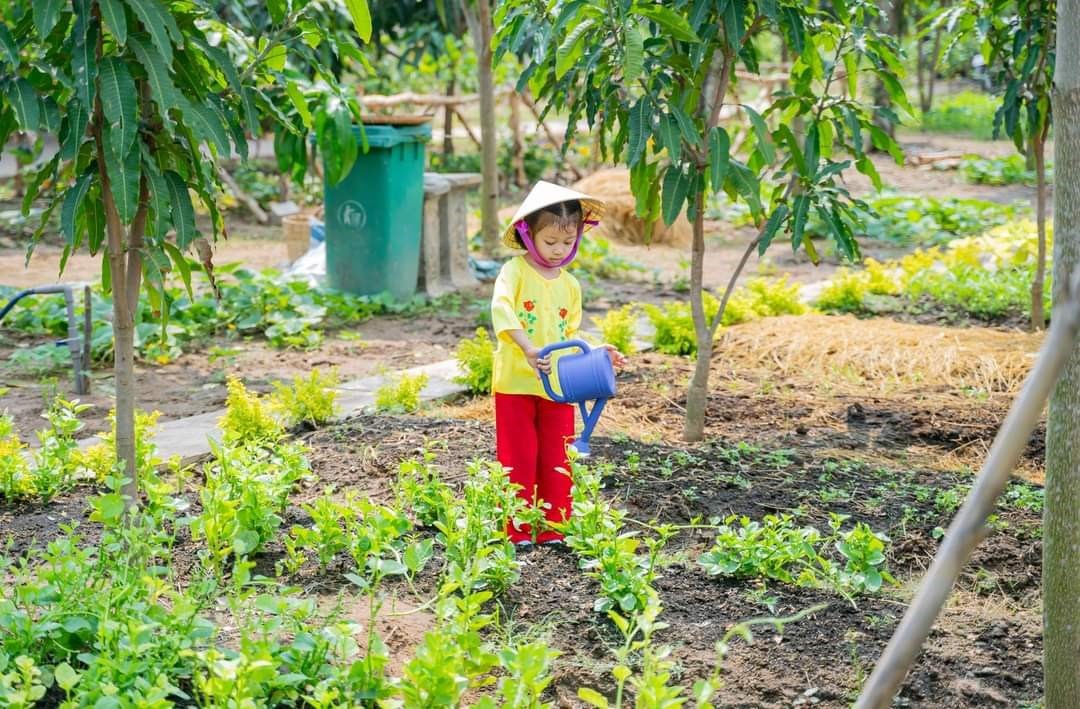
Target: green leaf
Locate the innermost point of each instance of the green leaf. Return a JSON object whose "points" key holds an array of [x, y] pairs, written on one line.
{"points": [[157, 74], [337, 144], [788, 138], [47, 172], [49, 115], [592, 697], [866, 166], [46, 14], [65, 677], [811, 151], [571, 48], [72, 201], [746, 183], [798, 220], [112, 12], [158, 21], [7, 43], [882, 141], [776, 219], [160, 200], [207, 126], [84, 66], [764, 137], [669, 20], [676, 187], [361, 17], [300, 103], [119, 104], [183, 214], [24, 102], [94, 216], [634, 57], [719, 157], [851, 66], [277, 10], [686, 126], [275, 58], [640, 130], [734, 22], [671, 136], [895, 90], [182, 266], [73, 129], [124, 182]]}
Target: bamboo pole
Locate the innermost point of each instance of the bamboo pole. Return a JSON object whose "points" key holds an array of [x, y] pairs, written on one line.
{"points": [[381, 101], [968, 528]]}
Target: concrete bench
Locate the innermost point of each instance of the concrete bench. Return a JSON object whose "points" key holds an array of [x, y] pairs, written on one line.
{"points": [[444, 249]]}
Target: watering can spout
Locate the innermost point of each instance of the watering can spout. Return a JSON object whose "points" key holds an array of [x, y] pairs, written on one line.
{"points": [[583, 377]]}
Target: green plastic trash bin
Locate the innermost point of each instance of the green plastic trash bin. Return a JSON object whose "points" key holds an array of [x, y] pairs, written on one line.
{"points": [[375, 215]]}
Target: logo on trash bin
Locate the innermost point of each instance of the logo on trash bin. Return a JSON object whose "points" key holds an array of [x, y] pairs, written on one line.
{"points": [[352, 214]]}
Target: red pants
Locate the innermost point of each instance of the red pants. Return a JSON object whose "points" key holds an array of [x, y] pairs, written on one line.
{"points": [[531, 434]]}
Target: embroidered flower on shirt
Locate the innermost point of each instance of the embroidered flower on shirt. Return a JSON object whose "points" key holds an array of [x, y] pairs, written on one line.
{"points": [[562, 313], [529, 305]]}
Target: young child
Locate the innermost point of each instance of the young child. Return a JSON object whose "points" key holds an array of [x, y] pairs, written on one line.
{"points": [[536, 303]]}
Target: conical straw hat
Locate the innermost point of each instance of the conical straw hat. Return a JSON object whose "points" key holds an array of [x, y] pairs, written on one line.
{"points": [[545, 194]]}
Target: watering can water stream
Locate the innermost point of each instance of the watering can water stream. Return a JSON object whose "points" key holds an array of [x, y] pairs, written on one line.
{"points": [[583, 377]]}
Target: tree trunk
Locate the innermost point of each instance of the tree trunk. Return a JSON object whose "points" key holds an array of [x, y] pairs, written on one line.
{"points": [[518, 148], [1061, 545], [448, 122], [697, 395], [478, 18], [1038, 148], [892, 17]]}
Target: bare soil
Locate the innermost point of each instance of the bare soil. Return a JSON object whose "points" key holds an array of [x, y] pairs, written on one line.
{"points": [[984, 651]]}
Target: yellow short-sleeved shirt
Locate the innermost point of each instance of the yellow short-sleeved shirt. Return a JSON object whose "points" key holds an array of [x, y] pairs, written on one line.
{"points": [[549, 311]]}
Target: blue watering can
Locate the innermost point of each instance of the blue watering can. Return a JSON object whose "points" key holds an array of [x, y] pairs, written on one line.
{"points": [[583, 377]]}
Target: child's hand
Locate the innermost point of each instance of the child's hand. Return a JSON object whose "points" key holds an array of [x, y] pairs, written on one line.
{"points": [[538, 363], [617, 358]]}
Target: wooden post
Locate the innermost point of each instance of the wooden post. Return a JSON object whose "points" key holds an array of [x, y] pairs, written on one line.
{"points": [[969, 526], [448, 122], [518, 148]]}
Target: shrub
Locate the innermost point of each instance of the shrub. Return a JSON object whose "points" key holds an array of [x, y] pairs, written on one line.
{"points": [[247, 417], [759, 298], [476, 360], [909, 219], [1009, 170], [14, 467], [309, 400], [967, 112], [401, 395], [986, 277], [617, 328], [100, 459]]}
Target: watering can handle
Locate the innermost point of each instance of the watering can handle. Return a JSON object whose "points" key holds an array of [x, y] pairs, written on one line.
{"points": [[580, 344]]}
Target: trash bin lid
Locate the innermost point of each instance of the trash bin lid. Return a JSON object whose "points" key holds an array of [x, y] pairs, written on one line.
{"points": [[387, 135]]}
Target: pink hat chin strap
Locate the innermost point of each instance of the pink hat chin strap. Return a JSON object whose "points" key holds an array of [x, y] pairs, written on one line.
{"points": [[523, 231]]}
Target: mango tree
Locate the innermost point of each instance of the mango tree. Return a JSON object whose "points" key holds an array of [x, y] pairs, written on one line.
{"points": [[653, 81], [144, 98], [1017, 40]]}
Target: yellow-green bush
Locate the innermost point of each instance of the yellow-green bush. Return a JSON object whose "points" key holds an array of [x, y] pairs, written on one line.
{"points": [[476, 360], [247, 417], [401, 395], [617, 328], [759, 298], [100, 458], [309, 400], [987, 276], [15, 479]]}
